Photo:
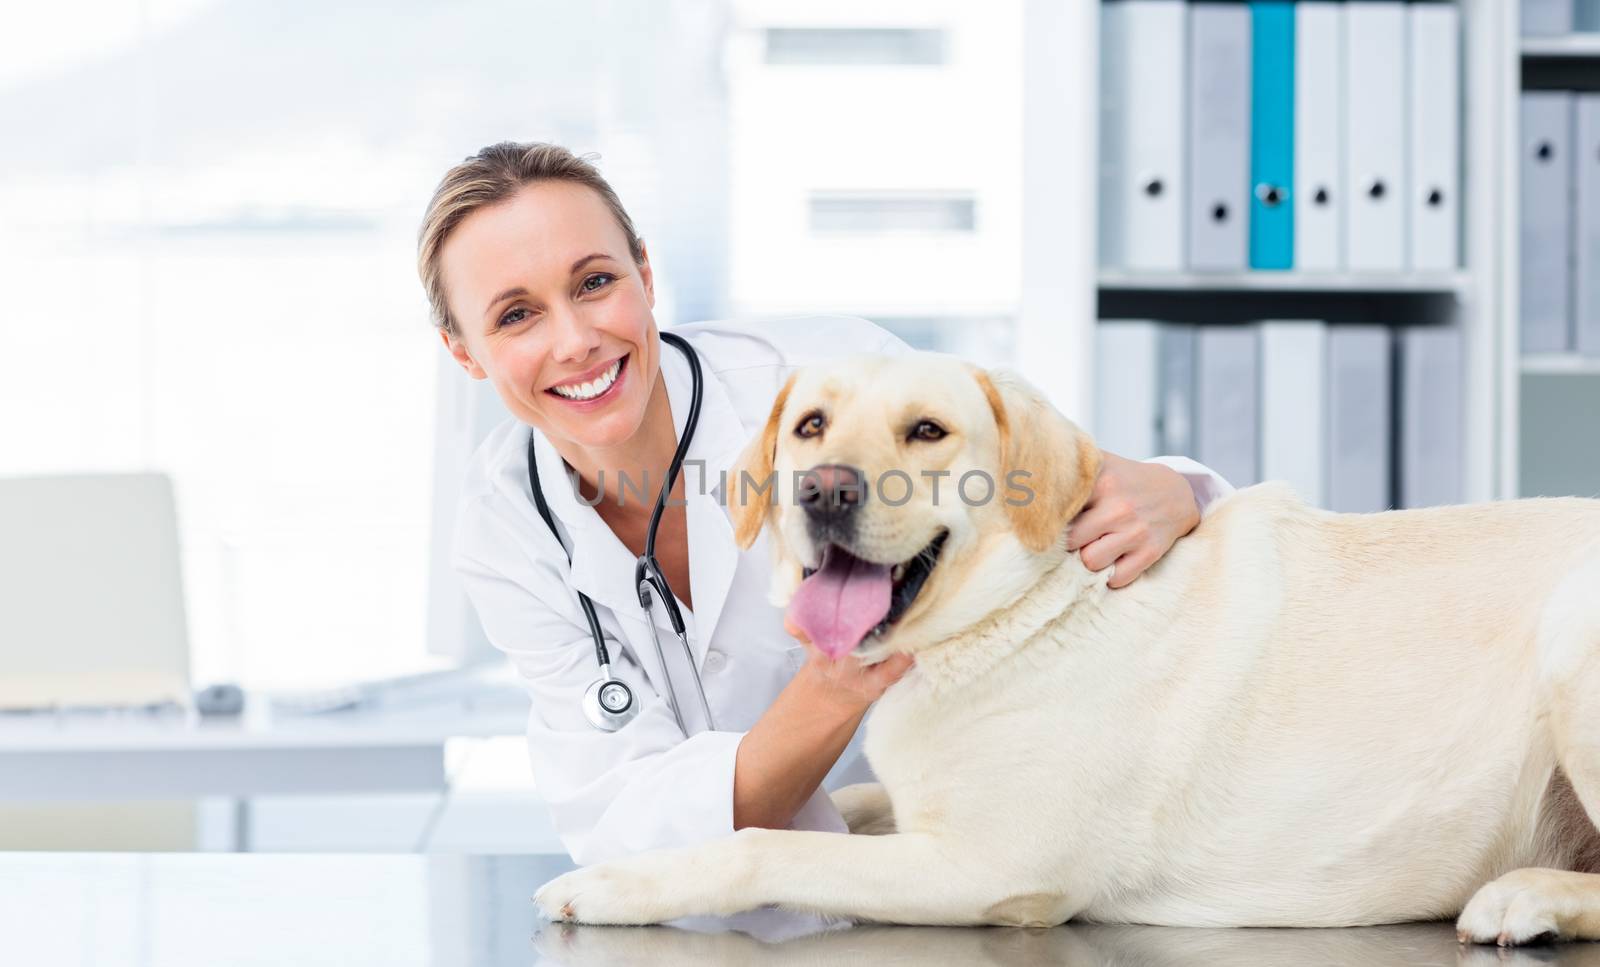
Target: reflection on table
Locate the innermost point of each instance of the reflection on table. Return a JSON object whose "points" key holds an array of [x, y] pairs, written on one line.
{"points": [[1075, 945], [90, 909]]}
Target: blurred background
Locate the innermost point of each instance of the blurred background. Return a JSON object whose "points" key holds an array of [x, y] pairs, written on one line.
{"points": [[1329, 254]]}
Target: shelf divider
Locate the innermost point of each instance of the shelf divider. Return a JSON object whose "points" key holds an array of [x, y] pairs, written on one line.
{"points": [[1342, 282], [1577, 45], [1562, 363]]}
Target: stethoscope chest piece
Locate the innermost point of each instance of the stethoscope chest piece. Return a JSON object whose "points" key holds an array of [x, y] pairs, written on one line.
{"points": [[608, 702]]}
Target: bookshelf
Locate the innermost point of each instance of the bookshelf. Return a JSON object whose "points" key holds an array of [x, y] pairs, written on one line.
{"points": [[1065, 291], [1552, 444]]}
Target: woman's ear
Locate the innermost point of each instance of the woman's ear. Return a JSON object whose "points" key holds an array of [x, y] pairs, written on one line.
{"points": [[752, 488], [647, 275], [458, 349], [1047, 464]]}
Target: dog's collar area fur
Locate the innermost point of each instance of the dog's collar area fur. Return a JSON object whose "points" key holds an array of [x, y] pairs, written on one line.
{"points": [[1061, 594]]}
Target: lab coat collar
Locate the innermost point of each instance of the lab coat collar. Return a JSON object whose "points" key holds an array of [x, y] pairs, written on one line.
{"points": [[602, 567]]}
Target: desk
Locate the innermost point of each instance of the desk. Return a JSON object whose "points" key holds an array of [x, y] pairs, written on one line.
{"points": [[120, 756], [177, 910]]}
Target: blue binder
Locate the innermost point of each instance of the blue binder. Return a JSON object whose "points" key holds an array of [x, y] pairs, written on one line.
{"points": [[1272, 135]]}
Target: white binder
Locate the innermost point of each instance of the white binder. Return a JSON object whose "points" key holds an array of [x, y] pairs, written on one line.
{"points": [[1175, 411], [1219, 137], [1294, 406], [1126, 388], [1432, 449], [1586, 16], [1318, 144], [1435, 103], [1358, 419], [1546, 18], [1545, 160], [1227, 366], [1586, 238], [1142, 177], [1375, 187]]}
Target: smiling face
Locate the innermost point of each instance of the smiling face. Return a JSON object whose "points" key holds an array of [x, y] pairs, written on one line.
{"points": [[911, 495], [551, 310]]}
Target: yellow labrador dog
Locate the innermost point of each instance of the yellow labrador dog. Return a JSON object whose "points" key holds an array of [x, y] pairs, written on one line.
{"points": [[1295, 718]]}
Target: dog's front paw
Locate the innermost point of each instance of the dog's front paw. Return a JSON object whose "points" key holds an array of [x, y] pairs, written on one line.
{"points": [[606, 893], [1529, 905]]}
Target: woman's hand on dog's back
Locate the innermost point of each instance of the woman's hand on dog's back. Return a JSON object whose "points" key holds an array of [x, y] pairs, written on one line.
{"points": [[1135, 514]]}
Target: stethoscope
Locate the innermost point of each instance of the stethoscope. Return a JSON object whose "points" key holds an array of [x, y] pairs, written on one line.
{"points": [[609, 703]]}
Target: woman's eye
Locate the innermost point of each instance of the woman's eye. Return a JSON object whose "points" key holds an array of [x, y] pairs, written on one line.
{"points": [[514, 316], [601, 277], [810, 426], [927, 430]]}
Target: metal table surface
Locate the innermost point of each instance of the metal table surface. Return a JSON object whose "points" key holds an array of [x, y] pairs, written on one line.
{"points": [[178, 909]]}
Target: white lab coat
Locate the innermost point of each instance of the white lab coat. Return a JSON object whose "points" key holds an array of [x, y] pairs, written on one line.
{"points": [[646, 785]]}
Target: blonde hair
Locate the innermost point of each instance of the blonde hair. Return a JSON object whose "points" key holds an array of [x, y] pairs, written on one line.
{"points": [[492, 175]]}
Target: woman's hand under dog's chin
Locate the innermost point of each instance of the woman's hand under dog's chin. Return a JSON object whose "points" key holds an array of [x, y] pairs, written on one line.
{"points": [[851, 682], [854, 683]]}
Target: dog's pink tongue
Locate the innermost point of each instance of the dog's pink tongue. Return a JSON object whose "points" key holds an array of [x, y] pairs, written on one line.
{"points": [[839, 604]]}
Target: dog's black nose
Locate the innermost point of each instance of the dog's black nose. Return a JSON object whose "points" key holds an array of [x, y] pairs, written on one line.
{"points": [[831, 491]]}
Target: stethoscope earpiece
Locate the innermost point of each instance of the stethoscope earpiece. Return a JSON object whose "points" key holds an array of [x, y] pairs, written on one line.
{"points": [[608, 702]]}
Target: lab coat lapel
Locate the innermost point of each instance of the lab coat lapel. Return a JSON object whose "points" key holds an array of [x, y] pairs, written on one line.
{"points": [[713, 555], [602, 567]]}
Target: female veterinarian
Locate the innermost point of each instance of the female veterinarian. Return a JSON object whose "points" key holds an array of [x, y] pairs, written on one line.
{"points": [[539, 284]]}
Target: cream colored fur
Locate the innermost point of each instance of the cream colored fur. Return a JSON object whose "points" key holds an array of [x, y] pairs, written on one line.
{"points": [[1294, 718]]}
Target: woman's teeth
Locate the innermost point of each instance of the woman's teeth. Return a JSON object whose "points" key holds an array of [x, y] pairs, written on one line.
{"points": [[593, 388]]}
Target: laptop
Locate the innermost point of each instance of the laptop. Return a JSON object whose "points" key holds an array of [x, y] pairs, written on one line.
{"points": [[91, 594]]}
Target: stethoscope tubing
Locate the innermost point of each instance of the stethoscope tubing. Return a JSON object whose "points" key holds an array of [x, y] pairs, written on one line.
{"points": [[649, 581]]}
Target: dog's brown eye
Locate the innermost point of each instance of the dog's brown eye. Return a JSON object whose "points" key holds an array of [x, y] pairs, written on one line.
{"points": [[810, 426], [927, 430]]}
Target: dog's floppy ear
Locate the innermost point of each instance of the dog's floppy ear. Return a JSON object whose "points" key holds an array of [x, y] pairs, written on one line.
{"points": [[749, 502], [1055, 463]]}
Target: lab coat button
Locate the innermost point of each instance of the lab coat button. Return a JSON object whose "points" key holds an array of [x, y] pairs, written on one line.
{"points": [[714, 661]]}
